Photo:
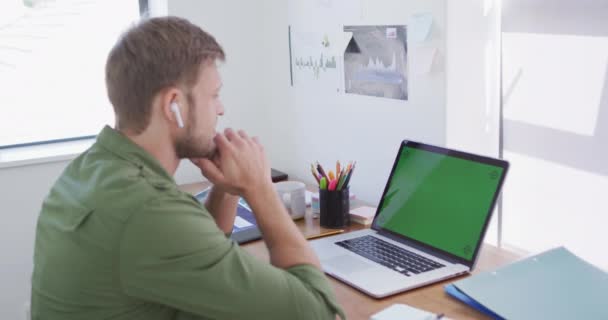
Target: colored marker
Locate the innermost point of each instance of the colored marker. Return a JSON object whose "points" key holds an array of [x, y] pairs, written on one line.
{"points": [[321, 171], [348, 176], [314, 173], [332, 185], [323, 183]]}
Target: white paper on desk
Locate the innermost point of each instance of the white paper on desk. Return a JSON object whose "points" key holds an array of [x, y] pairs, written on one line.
{"points": [[364, 212], [419, 28], [401, 311], [241, 223], [423, 58], [308, 198]]}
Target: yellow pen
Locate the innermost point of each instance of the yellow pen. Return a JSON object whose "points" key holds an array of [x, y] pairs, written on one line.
{"points": [[338, 171], [324, 234]]}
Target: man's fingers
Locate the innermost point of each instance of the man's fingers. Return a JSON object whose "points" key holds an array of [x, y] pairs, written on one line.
{"points": [[243, 134], [257, 143], [211, 171], [245, 137], [216, 159], [234, 137], [223, 145], [230, 134]]}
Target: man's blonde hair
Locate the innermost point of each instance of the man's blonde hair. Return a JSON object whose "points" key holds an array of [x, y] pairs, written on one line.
{"points": [[153, 55]]}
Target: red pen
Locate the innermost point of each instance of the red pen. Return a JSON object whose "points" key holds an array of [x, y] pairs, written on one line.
{"points": [[332, 185]]}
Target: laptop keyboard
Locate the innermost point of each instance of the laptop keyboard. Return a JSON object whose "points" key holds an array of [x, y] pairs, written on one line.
{"points": [[389, 255]]}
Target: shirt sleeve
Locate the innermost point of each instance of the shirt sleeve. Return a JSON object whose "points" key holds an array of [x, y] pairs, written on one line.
{"points": [[172, 253]]}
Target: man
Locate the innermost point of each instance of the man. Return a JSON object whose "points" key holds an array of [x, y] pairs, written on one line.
{"points": [[117, 239]]}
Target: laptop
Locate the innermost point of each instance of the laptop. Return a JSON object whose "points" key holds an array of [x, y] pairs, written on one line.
{"points": [[245, 228], [429, 224]]}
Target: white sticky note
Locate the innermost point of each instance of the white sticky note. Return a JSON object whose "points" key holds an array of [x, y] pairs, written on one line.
{"points": [[401, 311], [241, 223], [419, 28], [423, 58]]}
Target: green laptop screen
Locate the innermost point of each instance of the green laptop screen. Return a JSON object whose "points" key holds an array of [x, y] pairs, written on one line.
{"points": [[439, 200]]}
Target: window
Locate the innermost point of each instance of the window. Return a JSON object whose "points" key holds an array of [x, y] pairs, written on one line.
{"points": [[52, 61]]}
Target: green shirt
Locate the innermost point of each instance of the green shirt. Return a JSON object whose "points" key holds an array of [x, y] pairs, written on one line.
{"points": [[116, 239]]}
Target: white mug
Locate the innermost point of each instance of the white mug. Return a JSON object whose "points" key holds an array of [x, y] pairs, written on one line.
{"points": [[293, 195]]}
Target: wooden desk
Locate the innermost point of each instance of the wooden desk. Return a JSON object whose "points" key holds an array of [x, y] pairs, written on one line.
{"points": [[360, 306]]}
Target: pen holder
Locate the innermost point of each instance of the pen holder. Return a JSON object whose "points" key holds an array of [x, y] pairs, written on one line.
{"points": [[334, 208]]}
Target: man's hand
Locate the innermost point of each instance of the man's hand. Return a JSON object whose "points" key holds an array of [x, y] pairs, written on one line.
{"points": [[239, 167]]}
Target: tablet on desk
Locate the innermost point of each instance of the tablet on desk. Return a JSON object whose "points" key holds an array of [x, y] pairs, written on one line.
{"points": [[245, 227]]}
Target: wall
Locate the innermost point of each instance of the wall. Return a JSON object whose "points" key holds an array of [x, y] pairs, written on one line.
{"points": [[472, 75], [237, 26], [290, 123], [555, 58], [473, 90], [327, 126], [291, 119], [21, 192], [469, 120], [291, 134]]}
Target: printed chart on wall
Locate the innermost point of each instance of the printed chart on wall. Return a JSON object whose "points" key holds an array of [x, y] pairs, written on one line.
{"points": [[375, 61], [314, 62]]}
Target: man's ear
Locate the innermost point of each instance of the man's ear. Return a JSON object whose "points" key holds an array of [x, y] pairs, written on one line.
{"points": [[166, 99], [178, 114]]}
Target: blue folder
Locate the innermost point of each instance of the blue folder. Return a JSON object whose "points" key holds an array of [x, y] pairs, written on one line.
{"points": [[451, 290], [555, 284]]}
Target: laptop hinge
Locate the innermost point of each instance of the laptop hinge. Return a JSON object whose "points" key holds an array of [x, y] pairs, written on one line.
{"points": [[417, 246]]}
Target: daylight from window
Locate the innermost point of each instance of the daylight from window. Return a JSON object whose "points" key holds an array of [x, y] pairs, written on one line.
{"points": [[52, 59]]}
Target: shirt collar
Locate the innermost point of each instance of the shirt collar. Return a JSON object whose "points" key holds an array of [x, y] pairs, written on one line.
{"points": [[123, 147]]}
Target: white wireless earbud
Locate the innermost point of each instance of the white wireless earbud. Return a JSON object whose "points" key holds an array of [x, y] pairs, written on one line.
{"points": [[178, 115]]}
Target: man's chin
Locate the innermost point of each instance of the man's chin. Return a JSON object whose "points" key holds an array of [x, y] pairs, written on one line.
{"points": [[191, 153], [201, 155], [190, 147], [213, 154]]}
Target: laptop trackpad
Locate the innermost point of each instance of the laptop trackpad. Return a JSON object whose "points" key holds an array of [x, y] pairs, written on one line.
{"points": [[348, 264]]}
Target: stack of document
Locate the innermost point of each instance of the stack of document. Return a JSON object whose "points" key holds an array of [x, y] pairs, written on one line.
{"points": [[553, 285], [363, 215]]}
